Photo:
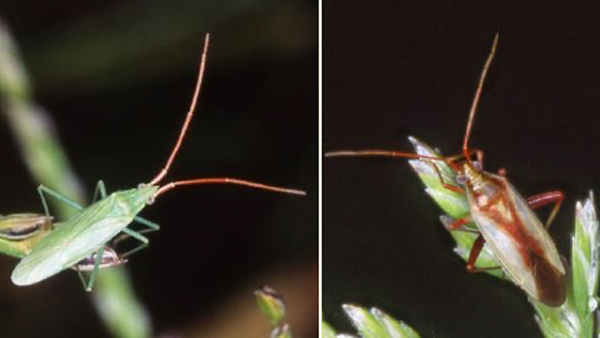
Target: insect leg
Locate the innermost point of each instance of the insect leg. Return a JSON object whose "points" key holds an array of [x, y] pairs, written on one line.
{"points": [[477, 152], [43, 189], [447, 185], [134, 250], [81, 277], [546, 198], [153, 226], [124, 236], [100, 188], [475, 251], [97, 261], [457, 225], [136, 235]]}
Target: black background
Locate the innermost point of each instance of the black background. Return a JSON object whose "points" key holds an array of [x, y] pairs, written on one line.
{"points": [[399, 68], [118, 114]]}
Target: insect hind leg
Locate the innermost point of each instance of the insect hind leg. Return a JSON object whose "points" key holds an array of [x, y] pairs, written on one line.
{"points": [[125, 236], [138, 234], [127, 233], [89, 284], [546, 198]]}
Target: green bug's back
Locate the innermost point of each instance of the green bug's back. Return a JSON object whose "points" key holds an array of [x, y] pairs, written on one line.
{"points": [[82, 235]]}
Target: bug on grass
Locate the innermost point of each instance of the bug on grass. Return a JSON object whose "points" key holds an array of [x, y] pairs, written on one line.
{"points": [[91, 228], [20, 233], [503, 218]]}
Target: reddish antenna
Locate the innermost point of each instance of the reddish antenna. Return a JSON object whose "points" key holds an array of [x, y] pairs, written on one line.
{"points": [[449, 160], [227, 180], [387, 153], [188, 117], [186, 123], [488, 62]]}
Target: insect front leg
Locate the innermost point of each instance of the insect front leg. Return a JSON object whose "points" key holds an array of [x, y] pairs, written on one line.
{"points": [[478, 153], [447, 185], [546, 198], [100, 188], [42, 189], [457, 224], [153, 226], [475, 252]]}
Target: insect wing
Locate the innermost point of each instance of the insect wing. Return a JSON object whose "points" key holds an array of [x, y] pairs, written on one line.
{"points": [[522, 245]]}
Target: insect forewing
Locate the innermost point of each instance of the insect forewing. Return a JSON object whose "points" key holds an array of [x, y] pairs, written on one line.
{"points": [[521, 243]]}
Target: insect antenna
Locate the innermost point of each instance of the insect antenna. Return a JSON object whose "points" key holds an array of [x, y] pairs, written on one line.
{"points": [[186, 123], [188, 117], [226, 180], [388, 153], [488, 62]]}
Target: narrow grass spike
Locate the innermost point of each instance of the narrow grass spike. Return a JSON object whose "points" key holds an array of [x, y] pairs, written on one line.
{"points": [[395, 328], [327, 330], [271, 304], [365, 322], [577, 316]]}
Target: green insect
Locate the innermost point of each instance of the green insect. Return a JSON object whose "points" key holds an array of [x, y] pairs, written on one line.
{"points": [[90, 230], [20, 233]]}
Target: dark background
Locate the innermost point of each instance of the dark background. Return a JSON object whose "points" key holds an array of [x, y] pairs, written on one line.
{"points": [[117, 77], [399, 68]]}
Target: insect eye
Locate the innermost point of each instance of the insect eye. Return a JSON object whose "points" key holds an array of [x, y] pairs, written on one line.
{"points": [[150, 200], [461, 179]]}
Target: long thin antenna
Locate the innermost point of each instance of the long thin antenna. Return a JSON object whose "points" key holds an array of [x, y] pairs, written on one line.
{"points": [[226, 180], [476, 98], [386, 153], [380, 153], [188, 117]]}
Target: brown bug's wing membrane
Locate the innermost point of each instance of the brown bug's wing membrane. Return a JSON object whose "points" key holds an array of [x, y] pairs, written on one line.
{"points": [[547, 267]]}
